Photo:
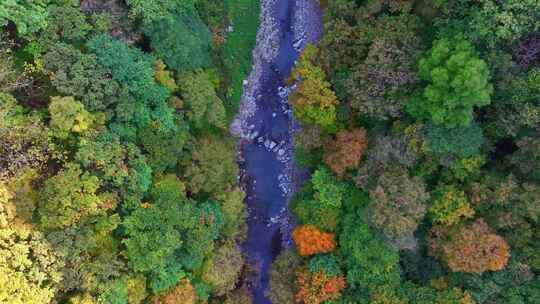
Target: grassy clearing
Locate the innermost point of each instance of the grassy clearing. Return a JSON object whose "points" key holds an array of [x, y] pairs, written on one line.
{"points": [[244, 18]]}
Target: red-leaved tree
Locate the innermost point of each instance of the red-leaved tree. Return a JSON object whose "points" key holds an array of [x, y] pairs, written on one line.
{"points": [[315, 288]]}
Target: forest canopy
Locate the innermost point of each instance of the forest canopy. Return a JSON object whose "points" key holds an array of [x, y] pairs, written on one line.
{"points": [[416, 150]]}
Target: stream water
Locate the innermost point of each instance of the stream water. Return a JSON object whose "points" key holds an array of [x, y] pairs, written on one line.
{"points": [[265, 148]]}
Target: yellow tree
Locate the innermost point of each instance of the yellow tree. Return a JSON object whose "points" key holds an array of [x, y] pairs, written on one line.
{"points": [[313, 102]]}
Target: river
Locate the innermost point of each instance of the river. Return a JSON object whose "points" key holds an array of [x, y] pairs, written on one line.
{"points": [[265, 125]]}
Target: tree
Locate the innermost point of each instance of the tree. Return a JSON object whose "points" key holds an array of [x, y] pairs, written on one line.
{"points": [[456, 80], [398, 205], [234, 213], [381, 82], [212, 168], [319, 202], [29, 16], [498, 22], [150, 10], [239, 296], [459, 141], [182, 40], [313, 101], [24, 141], [70, 196], [315, 288], [93, 266], [164, 147], [134, 70], [368, 261], [474, 248], [450, 206], [11, 78], [68, 116], [65, 23], [346, 150], [183, 293], [310, 240], [282, 287], [326, 263], [171, 235], [328, 191], [224, 269], [121, 167], [29, 267], [129, 66], [203, 105], [79, 75], [528, 52], [511, 207], [526, 159]]}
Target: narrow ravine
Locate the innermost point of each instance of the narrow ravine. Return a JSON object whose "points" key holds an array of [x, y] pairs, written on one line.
{"points": [[264, 125]]}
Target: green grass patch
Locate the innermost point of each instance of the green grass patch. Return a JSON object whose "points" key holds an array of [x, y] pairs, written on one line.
{"points": [[244, 18]]}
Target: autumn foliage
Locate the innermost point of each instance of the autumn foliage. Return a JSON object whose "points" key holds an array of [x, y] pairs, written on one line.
{"points": [[346, 150], [183, 293], [315, 288], [475, 248], [310, 240], [313, 102]]}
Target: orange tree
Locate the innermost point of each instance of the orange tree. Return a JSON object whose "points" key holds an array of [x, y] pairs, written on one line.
{"points": [[471, 248], [310, 240]]}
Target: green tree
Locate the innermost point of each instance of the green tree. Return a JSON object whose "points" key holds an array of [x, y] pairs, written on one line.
{"points": [[369, 262], [65, 23], [120, 167], [182, 40], [328, 190], [319, 202], [134, 70], [91, 254], [459, 141], [313, 102], [203, 106], [130, 67], [170, 235], [326, 263], [234, 213], [29, 16], [456, 81], [150, 10], [212, 168], [76, 74], [498, 22], [164, 148]]}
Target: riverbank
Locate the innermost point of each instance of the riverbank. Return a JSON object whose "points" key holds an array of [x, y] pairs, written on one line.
{"points": [[265, 125]]}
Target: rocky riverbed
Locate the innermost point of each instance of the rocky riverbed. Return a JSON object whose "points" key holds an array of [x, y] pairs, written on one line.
{"points": [[265, 126]]}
